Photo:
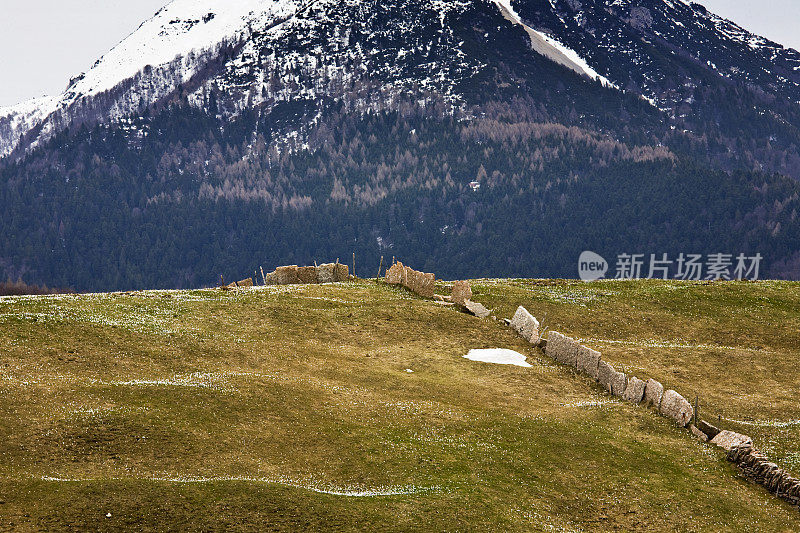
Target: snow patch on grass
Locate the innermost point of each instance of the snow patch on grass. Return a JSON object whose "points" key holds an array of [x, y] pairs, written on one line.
{"points": [[498, 356]]}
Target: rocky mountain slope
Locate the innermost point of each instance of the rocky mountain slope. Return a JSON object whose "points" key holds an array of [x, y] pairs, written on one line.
{"points": [[287, 113]]}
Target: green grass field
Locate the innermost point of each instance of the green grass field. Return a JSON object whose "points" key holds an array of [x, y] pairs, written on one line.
{"points": [[292, 408]]}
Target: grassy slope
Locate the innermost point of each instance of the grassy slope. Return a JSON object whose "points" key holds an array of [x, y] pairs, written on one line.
{"points": [[129, 399], [735, 345]]}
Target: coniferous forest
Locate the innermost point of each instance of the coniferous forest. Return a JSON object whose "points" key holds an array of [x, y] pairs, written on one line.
{"points": [[176, 198]]}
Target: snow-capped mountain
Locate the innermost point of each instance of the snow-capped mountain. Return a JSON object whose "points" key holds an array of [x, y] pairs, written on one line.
{"points": [[476, 137], [163, 53], [250, 53]]}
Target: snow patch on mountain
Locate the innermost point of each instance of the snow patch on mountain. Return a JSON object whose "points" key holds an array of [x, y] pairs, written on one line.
{"points": [[16, 120], [180, 28], [551, 48]]}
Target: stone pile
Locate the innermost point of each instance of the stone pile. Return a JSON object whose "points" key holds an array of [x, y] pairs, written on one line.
{"points": [[756, 467], [417, 282], [570, 352]]}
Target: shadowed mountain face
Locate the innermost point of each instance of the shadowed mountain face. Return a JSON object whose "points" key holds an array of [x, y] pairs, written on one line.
{"points": [[261, 133]]}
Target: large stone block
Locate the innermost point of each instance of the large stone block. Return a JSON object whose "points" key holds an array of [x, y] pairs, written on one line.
{"points": [[605, 375], [326, 273], [653, 393], [526, 325], [555, 340], [634, 391], [612, 380], [245, 283], [698, 433], [307, 275], [728, 440], [569, 352], [676, 407], [619, 384], [477, 309], [426, 285], [287, 275], [461, 292], [341, 272], [394, 275], [708, 429], [410, 281], [588, 361], [271, 278]]}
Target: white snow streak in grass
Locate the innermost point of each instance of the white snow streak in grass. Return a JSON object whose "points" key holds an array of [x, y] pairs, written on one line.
{"points": [[652, 343], [599, 402], [765, 423], [348, 491], [498, 356]]}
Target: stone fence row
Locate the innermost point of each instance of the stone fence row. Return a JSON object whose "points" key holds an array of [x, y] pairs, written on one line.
{"points": [[567, 351], [424, 284], [418, 282], [296, 275], [756, 467], [570, 352], [293, 274]]}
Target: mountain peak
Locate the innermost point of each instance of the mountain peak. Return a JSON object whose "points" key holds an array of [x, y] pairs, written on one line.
{"points": [[255, 51]]}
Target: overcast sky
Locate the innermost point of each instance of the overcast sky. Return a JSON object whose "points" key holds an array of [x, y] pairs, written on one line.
{"points": [[43, 43]]}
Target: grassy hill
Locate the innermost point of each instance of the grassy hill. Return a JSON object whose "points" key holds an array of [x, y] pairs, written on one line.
{"points": [[293, 408]]}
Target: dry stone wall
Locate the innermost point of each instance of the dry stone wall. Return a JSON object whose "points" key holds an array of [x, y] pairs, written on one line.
{"points": [[305, 275], [589, 362], [420, 283], [753, 464], [757, 467]]}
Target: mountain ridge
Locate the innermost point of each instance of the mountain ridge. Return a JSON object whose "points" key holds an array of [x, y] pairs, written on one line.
{"points": [[187, 31]]}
